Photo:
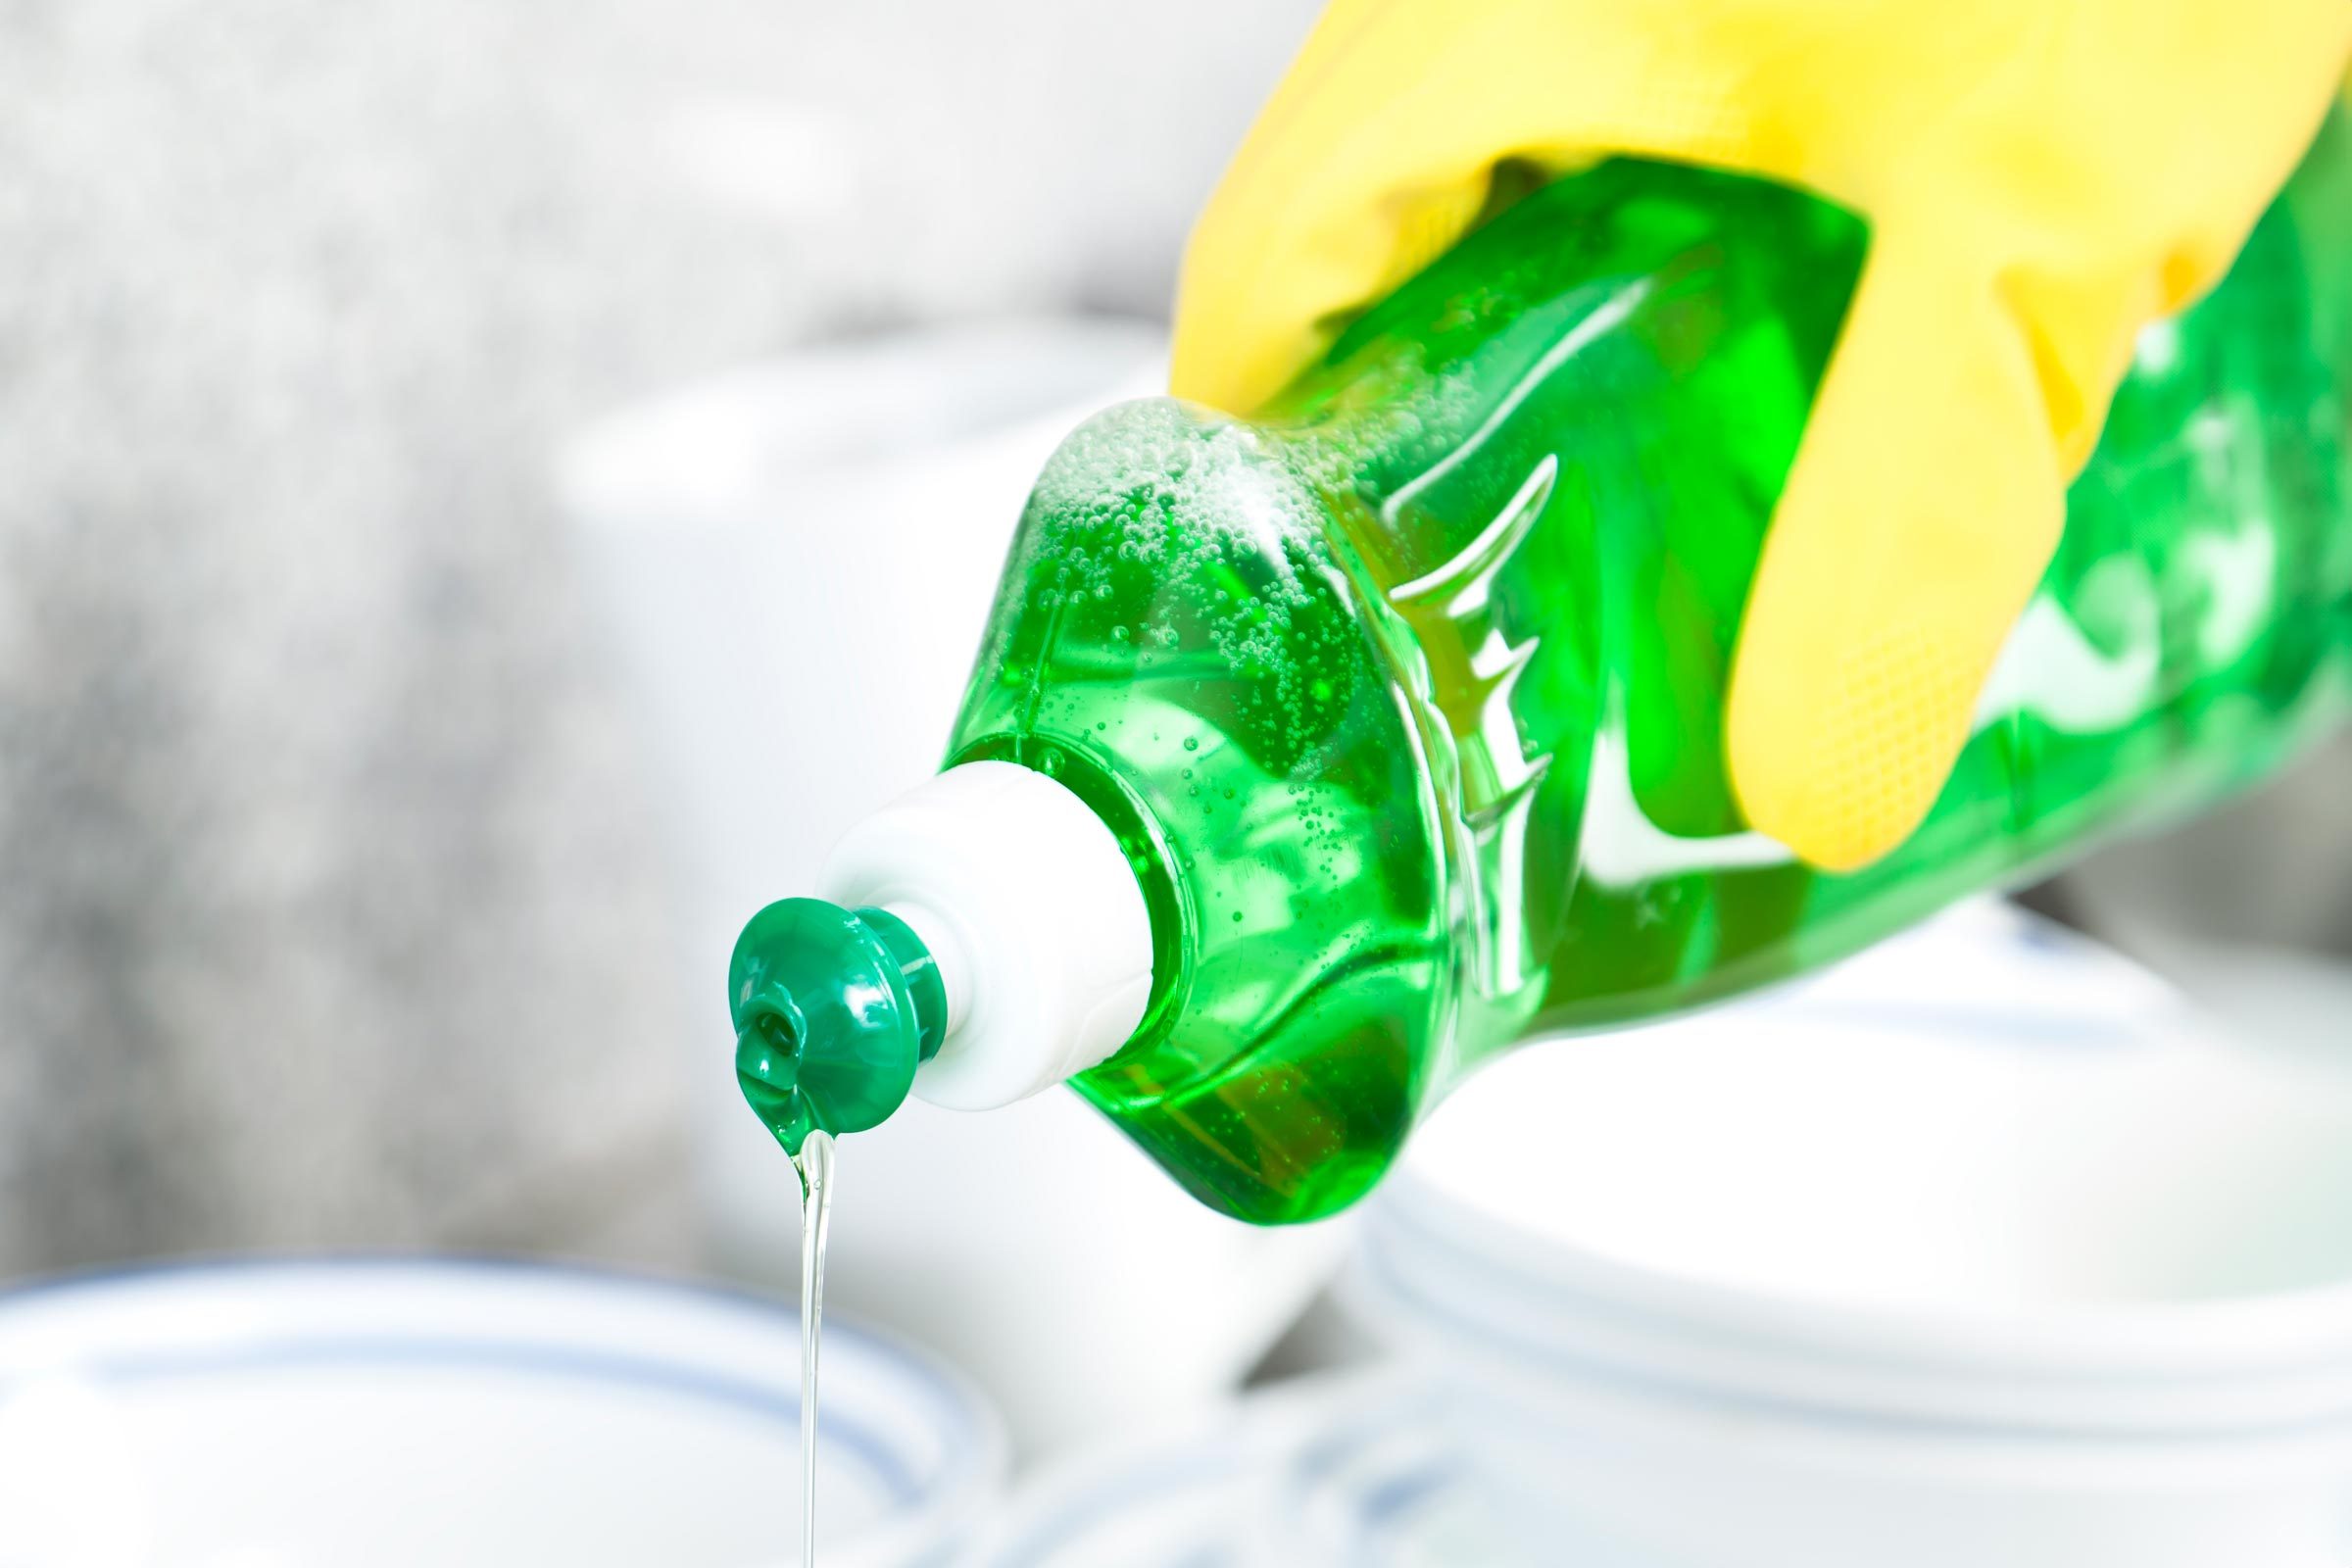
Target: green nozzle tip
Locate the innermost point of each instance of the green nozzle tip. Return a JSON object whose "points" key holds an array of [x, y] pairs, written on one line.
{"points": [[834, 1009], [768, 1034]]}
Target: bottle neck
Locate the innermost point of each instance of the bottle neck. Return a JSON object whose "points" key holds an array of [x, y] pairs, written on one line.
{"points": [[1016, 903]]}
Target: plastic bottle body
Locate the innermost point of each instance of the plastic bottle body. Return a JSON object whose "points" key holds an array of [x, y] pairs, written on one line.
{"points": [[1405, 698]]}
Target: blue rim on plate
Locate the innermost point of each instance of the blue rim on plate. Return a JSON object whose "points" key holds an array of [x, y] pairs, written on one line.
{"points": [[969, 1439]]}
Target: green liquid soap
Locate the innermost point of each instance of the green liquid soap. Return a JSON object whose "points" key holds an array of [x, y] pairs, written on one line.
{"points": [[1403, 698], [814, 1165]]}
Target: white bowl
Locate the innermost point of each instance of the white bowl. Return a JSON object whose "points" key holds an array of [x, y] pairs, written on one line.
{"points": [[456, 1413], [1982, 1251]]}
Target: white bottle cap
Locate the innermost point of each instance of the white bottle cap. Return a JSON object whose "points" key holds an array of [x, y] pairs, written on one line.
{"points": [[1032, 912]]}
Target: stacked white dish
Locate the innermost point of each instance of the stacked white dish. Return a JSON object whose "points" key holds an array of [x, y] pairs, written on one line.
{"points": [[459, 1415], [1980, 1251], [1346, 1469]]}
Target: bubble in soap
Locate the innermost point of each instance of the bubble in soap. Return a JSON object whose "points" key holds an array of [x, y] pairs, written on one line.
{"points": [[1185, 496]]}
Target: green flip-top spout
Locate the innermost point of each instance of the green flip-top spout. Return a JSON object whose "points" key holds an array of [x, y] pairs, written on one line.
{"points": [[834, 1009]]}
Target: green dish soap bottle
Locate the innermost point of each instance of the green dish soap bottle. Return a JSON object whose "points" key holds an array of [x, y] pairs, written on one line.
{"points": [[1311, 758]]}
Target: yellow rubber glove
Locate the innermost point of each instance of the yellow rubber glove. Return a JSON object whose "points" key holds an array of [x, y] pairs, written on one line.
{"points": [[2043, 177]]}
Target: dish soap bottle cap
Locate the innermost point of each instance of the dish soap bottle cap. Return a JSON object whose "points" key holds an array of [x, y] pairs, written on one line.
{"points": [[985, 939], [834, 1009]]}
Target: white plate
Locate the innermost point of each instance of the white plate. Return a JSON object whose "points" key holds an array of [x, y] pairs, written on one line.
{"points": [[1186, 1499], [457, 1413], [1383, 1485], [1348, 1471], [1981, 1248]]}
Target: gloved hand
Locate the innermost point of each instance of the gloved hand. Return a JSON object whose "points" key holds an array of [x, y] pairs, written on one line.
{"points": [[2043, 177]]}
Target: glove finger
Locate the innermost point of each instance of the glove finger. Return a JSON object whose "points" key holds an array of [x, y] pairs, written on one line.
{"points": [[1376, 152], [1922, 509]]}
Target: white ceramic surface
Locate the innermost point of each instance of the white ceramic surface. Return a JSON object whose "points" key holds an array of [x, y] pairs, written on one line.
{"points": [[1983, 1249], [1384, 1484], [1187, 1500], [796, 560], [460, 1413], [1338, 1471]]}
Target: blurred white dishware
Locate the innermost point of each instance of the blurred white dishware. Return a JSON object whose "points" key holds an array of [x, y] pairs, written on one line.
{"points": [[796, 560], [1333, 1471], [1983, 1249], [461, 1413]]}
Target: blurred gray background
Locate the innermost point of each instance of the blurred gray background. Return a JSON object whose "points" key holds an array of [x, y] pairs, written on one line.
{"points": [[327, 892], [325, 889]]}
